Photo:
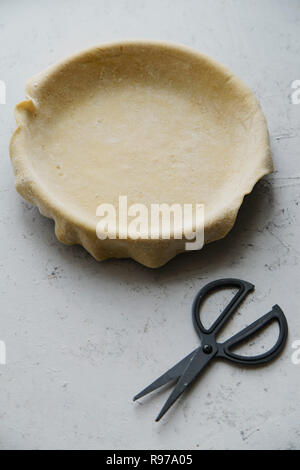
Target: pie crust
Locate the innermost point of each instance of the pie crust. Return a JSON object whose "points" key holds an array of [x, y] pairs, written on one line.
{"points": [[157, 122]]}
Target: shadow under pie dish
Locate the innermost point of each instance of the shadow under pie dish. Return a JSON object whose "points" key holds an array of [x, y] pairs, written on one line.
{"points": [[155, 122]]}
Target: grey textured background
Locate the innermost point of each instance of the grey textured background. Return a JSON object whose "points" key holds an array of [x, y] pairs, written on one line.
{"points": [[83, 337]]}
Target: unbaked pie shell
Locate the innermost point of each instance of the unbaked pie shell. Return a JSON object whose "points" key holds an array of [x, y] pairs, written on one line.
{"points": [[156, 122]]}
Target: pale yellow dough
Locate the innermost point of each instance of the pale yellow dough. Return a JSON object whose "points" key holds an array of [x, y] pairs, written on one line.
{"points": [[153, 121]]}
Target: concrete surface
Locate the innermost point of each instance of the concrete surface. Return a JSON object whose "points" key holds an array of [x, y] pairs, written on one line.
{"points": [[83, 337]]}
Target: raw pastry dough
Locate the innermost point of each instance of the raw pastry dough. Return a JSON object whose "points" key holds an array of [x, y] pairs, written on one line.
{"points": [[153, 121]]}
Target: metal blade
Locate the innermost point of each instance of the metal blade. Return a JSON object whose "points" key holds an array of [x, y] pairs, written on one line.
{"points": [[172, 374], [196, 365]]}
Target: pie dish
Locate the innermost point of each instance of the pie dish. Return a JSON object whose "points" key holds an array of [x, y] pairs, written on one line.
{"points": [[157, 122]]}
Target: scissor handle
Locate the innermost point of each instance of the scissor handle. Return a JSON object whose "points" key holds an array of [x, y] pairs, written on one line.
{"points": [[244, 288], [224, 350]]}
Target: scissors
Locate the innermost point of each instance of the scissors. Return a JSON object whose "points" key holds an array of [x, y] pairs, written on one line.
{"points": [[186, 371]]}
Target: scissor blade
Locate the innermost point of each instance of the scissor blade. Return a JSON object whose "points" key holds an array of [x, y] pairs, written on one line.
{"points": [[196, 365], [172, 374]]}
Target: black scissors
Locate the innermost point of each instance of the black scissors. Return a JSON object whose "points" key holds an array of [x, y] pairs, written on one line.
{"points": [[186, 371]]}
